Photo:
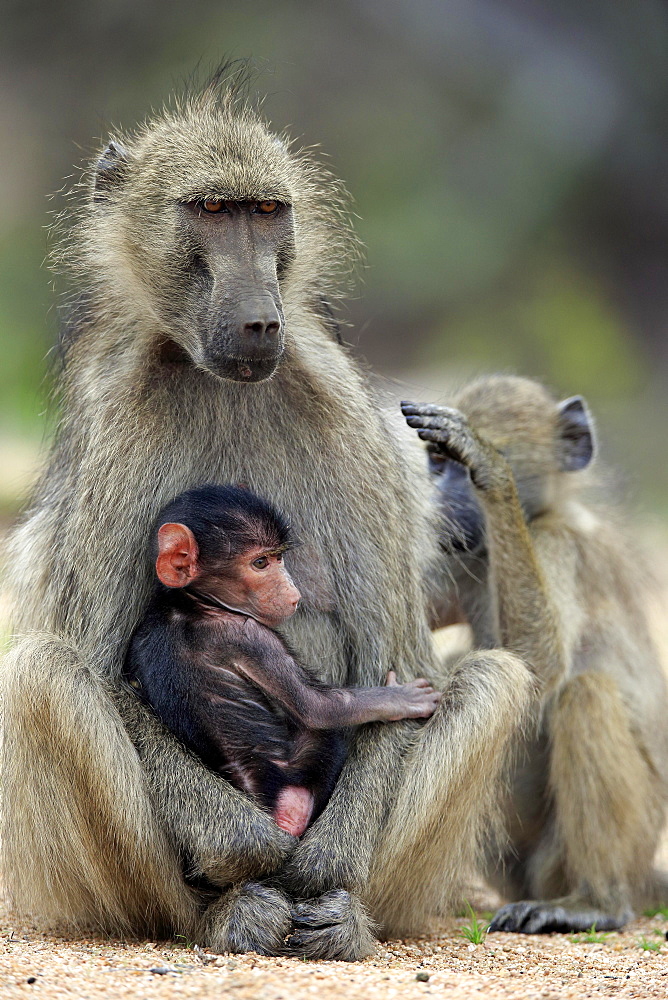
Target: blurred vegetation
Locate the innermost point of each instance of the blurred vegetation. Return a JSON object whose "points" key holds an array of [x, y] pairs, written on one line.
{"points": [[508, 161]]}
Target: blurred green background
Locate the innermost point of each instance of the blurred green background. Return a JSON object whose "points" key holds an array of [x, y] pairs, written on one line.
{"points": [[507, 158]]}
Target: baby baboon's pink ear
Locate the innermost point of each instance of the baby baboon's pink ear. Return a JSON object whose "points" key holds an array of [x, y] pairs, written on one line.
{"points": [[176, 565], [576, 434]]}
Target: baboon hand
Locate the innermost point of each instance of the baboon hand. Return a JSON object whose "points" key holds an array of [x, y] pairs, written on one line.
{"points": [[448, 433], [334, 926], [415, 700]]}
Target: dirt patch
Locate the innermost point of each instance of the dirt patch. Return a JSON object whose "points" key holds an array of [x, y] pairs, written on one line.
{"points": [[444, 963]]}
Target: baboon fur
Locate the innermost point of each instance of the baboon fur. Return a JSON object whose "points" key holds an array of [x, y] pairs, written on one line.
{"points": [[104, 809], [557, 580]]}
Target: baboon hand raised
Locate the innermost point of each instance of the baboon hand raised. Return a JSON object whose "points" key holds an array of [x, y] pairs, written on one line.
{"points": [[449, 434]]}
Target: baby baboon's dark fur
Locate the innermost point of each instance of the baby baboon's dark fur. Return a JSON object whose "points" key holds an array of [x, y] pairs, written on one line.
{"points": [[543, 572], [164, 387]]}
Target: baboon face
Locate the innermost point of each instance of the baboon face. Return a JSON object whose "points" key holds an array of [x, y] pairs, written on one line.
{"points": [[202, 212], [232, 303], [463, 524], [540, 438]]}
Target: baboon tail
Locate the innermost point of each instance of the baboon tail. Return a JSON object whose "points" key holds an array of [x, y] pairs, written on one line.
{"points": [[81, 846]]}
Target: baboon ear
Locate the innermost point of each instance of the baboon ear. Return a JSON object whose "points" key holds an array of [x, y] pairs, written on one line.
{"points": [[110, 170], [576, 434], [176, 565]]}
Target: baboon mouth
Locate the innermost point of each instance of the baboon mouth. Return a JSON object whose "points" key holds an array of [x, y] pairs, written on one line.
{"points": [[243, 369]]}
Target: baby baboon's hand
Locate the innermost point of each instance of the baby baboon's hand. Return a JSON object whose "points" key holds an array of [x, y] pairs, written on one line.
{"points": [[449, 434], [415, 700]]}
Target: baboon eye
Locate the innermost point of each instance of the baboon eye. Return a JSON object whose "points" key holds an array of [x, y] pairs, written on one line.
{"points": [[213, 205], [261, 563], [267, 207]]}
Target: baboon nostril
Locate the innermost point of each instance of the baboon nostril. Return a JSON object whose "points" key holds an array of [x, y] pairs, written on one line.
{"points": [[260, 330]]}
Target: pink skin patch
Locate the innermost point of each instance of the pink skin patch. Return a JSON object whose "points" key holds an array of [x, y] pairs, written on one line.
{"points": [[293, 809]]}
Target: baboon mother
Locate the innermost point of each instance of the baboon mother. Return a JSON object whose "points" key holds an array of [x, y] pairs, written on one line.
{"points": [[201, 349]]}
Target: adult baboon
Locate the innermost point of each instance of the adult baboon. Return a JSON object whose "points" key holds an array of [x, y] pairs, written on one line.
{"points": [[542, 572], [204, 254]]}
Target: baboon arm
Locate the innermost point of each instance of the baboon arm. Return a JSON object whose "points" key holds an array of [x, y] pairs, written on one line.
{"points": [[526, 620], [219, 832]]}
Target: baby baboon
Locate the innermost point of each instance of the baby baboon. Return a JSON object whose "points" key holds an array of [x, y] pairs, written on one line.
{"points": [[542, 572], [207, 659], [206, 256]]}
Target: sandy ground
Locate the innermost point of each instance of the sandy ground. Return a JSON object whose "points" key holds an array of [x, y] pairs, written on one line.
{"points": [[443, 964]]}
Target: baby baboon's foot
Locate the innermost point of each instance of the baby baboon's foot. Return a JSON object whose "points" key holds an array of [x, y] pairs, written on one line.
{"points": [[249, 917], [333, 926], [560, 917]]}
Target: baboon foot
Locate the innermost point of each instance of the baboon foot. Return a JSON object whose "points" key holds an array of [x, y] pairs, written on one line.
{"points": [[249, 917], [555, 917], [333, 926]]}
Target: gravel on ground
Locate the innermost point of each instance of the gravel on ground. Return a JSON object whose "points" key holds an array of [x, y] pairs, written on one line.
{"points": [[632, 963]]}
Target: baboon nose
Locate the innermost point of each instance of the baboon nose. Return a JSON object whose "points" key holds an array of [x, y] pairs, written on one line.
{"points": [[260, 330], [261, 324]]}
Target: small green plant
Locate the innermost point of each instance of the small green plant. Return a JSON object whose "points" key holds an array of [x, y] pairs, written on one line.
{"points": [[657, 911], [649, 945], [476, 930], [181, 941], [589, 937]]}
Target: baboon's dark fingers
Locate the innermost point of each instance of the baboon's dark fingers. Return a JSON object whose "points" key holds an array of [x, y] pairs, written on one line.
{"points": [[431, 415], [447, 442], [430, 410], [443, 427], [334, 926], [554, 918], [436, 435], [430, 423]]}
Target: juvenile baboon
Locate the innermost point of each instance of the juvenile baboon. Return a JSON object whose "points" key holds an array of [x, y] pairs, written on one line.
{"points": [[203, 256], [541, 571], [208, 660]]}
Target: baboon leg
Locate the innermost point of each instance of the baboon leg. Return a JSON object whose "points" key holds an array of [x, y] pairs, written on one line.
{"points": [[108, 863], [249, 917], [446, 801], [606, 816], [406, 862], [104, 862]]}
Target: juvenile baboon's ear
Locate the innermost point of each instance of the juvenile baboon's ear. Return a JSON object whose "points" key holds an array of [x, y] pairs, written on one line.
{"points": [[576, 434], [176, 565], [110, 170]]}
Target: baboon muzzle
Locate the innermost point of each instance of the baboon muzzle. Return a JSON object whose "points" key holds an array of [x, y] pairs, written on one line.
{"points": [[250, 346], [236, 295]]}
